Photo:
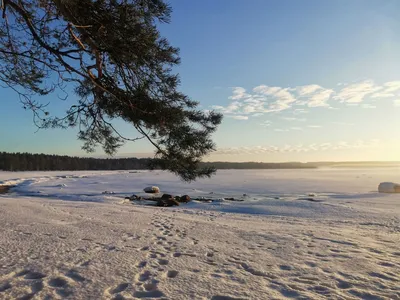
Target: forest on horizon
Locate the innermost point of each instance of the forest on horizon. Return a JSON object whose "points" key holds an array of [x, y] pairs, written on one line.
{"points": [[47, 162]]}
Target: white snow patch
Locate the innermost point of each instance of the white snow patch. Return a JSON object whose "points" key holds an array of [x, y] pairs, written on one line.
{"points": [[270, 246], [389, 187], [152, 189]]}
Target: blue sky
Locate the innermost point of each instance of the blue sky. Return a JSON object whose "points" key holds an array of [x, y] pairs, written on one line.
{"points": [[296, 81]]}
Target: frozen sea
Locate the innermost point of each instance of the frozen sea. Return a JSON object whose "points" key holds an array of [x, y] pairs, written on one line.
{"points": [[301, 192], [298, 234]]}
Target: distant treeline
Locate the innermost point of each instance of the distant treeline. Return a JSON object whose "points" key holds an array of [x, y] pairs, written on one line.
{"points": [[46, 162]]}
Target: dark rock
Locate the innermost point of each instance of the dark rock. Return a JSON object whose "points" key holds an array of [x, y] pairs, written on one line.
{"points": [[167, 202], [134, 197], [233, 199], [203, 199], [161, 202], [166, 196], [184, 199], [173, 202]]}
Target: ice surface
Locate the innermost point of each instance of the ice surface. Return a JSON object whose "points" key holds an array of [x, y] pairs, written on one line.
{"points": [[305, 234], [309, 193]]}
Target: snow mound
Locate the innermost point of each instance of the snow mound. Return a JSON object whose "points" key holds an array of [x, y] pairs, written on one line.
{"points": [[11, 181], [152, 189], [389, 187]]}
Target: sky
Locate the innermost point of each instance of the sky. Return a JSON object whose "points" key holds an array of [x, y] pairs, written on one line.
{"points": [[303, 80]]}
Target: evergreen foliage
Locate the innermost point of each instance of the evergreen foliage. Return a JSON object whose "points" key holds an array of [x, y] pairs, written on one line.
{"points": [[120, 67]]}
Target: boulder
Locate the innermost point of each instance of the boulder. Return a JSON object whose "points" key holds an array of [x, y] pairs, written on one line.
{"points": [[134, 197], [167, 202], [173, 202], [389, 187], [184, 199], [152, 190], [161, 202]]}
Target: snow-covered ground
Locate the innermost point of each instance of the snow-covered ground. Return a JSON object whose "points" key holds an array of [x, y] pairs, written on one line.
{"points": [[62, 237]]}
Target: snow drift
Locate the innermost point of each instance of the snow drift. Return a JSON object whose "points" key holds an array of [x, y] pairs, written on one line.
{"points": [[389, 187]]}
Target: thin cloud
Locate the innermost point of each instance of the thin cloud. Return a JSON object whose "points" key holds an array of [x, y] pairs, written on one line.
{"points": [[294, 119], [242, 118], [367, 105], [280, 98], [342, 145], [266, 123], [382, 95], [392, 86], [356, 92], [293, 128], [299, 111], [388, 90], [232, 108], [314, 95], [264, 99], [239, 93], [320, 98], [314, 126], [308, 89], [281, 130]]}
